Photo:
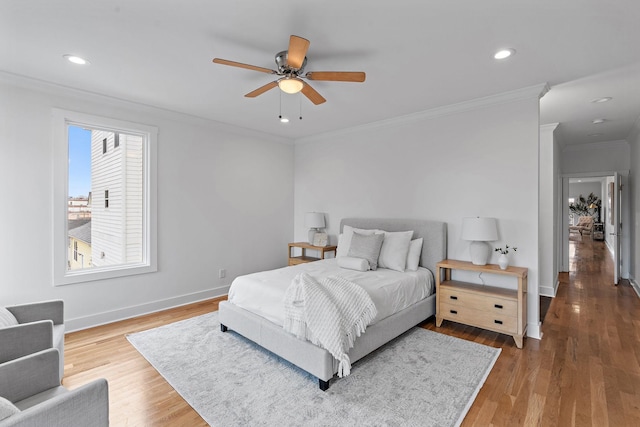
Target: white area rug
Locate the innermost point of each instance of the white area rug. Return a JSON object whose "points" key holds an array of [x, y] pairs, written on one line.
{"points": [[422, 378]]}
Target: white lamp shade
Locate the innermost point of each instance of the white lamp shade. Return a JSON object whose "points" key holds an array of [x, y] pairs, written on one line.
{"points": [[479, 229], [314, 220]]}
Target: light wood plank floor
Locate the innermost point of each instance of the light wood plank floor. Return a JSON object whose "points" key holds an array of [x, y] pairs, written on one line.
{"points": [[584, 372]]}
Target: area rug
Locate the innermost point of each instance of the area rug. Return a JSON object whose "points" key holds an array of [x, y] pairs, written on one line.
{"points": [[422, 378]]}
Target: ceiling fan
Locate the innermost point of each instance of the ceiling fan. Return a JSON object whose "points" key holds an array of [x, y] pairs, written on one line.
{"points": [[291, 65]]}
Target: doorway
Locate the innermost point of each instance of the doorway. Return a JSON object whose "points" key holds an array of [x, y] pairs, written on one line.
{"points": [[600, 197]]}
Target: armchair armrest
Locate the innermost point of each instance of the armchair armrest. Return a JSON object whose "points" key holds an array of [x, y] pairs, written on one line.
{"points": [[84, 406], [46, 310], [29, 375], [21, 340]]}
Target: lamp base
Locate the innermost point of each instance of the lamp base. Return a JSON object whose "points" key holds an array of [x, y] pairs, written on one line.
{"points": [[480, 252], [312, 234]]}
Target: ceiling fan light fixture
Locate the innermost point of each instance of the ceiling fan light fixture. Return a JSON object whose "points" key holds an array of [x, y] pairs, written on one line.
{"points": [[290, 85]]}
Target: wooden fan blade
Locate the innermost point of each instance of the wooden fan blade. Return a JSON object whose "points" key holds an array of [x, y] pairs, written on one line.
{"points": [[312, 94], [337, 76], [297, 51], [241, 65], [262, 89]]}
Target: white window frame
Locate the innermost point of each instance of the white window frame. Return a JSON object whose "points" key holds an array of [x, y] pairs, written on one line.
{"points": [[61, 275]]}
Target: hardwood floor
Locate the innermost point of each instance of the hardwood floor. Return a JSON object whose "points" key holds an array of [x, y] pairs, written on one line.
{"points": [[584, 372]]}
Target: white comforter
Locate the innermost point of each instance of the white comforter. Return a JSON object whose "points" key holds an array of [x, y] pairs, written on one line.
{"points": [[391, 291]]}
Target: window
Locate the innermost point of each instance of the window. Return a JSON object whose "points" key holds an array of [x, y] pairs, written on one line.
{"points": [[113, 228]]}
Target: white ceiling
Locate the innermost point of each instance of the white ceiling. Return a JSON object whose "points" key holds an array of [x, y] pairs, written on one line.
{"points": [[418, 55]]}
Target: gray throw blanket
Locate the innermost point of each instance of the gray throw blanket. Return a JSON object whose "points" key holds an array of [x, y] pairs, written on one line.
{"points": [[331, 314]]}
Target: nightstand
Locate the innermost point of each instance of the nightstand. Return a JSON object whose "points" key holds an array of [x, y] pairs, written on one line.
{"points": [[294, 260], [488, 307]]}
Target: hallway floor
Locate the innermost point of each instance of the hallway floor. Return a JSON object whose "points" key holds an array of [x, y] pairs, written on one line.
{"points": [[586, 369]]}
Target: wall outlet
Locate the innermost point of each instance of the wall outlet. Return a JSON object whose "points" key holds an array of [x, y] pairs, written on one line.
{"points": [[222, 273]]}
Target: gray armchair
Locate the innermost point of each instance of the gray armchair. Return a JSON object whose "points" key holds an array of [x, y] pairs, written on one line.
{"points": [[40, 326], [36, 398]]}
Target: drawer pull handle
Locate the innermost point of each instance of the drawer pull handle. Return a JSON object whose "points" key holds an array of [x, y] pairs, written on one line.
{"points": [[453, 297], [453, 312], [499, 322], [498, 305]]}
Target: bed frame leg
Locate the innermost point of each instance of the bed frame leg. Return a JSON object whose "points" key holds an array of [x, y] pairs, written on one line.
{"points": [[324, 385], [223, 328]]}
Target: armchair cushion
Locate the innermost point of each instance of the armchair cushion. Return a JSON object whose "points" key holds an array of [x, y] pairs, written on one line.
{"points": [[7, 409], [6, 318]]}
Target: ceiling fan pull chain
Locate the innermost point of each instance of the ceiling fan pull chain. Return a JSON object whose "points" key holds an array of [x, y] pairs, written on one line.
{"points": [[300, 98], [280, 116]]}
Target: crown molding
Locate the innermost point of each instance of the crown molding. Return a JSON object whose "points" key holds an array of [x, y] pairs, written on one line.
{"points": [[529, 92], [43, 86], [549, 127]]}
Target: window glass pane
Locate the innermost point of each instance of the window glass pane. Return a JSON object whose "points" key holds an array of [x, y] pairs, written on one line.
{"points": [[105, 206]]}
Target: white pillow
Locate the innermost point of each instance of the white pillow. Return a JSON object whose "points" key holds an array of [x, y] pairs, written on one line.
{"points": [[359, 264], [395, 248], [7, 408], [7, 318], [344, 242], [366, 246], [413, 258]]}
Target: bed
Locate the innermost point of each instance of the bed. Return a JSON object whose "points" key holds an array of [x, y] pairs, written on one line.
{"points": [[259, 323]]}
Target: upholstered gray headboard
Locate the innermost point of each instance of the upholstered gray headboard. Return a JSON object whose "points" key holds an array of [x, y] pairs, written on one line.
{"points": [[434, 233]]}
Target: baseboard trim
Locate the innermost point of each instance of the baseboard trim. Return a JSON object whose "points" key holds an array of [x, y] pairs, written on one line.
{"points": [[635, 286], [548, 291], [80, 323], [534, 330]]}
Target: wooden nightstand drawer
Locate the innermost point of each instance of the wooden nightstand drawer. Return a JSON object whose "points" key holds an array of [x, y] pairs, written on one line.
{"points": [[481, 319], [481, 301]]}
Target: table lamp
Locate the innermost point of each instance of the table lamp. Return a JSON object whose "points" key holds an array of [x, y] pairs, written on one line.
{"points": [[479, 231], [314, 221]]}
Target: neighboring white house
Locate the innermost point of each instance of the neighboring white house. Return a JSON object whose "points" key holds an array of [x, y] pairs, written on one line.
{"points": [[79, 207], [116, 189]]}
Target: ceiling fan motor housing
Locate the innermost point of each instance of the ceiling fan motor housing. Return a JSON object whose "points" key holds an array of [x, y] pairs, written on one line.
{"points": [[283, 68]]}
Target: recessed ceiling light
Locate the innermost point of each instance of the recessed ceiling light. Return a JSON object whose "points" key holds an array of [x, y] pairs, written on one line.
{"points": [[598, 121], [601, 100], [594, 134], [284, 120], [504, 53], [76, 59]]}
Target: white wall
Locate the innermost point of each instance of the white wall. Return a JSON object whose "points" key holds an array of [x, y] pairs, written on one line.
{"points": [[608, 156], [548, 208], [225, 200], [634, 205], [466, 161]]}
